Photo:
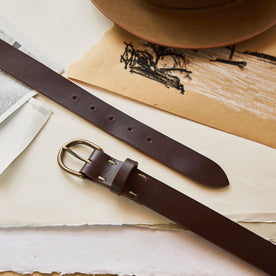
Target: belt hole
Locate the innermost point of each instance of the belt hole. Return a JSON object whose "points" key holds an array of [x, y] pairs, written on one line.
{"points": [[93, 108], [75, 98], [149, 139], [111, 118], [130, 129]]}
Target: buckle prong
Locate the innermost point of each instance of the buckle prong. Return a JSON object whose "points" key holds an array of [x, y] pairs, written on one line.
{"points": [[66, 148], [75, 154]]}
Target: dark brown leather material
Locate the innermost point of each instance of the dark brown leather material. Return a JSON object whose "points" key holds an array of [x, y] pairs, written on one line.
{"points": [[147, 140], [108, 171], [121, 177], [183, 210]]}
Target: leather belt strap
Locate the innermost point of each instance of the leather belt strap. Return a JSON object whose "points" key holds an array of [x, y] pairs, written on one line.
{"points": [[145, 139], [123, 178]]}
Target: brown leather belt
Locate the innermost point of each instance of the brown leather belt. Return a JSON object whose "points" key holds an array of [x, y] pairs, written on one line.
{"points": [[123, 178], [149, 141]]}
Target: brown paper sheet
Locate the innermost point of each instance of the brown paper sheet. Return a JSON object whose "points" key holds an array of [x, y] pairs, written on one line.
{"points": [[232, 89]]}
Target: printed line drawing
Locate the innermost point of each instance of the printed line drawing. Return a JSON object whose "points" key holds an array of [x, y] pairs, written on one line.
{"points": [[147, 65], [265, 57]]}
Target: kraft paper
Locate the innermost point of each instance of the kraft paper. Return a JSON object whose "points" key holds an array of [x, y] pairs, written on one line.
{"points": [[231, 89]]}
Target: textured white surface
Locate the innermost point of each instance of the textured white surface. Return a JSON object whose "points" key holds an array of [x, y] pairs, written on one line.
{"points": [[122, 250]]}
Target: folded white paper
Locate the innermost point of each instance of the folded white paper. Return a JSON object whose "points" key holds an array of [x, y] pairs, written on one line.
{"points": [[17, 131]]}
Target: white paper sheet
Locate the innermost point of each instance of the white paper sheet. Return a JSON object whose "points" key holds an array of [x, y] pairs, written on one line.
{"points": [[116, 250], [17, 131]]}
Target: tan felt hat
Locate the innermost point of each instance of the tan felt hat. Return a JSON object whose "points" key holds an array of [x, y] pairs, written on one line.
{"points": [[192, 24]]}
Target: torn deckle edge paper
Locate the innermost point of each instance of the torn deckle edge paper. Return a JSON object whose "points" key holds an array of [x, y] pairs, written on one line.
{"points": [[226, 88]]}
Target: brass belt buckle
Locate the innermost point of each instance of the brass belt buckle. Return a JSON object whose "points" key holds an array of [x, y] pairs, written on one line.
{"points": [[67, 148]]}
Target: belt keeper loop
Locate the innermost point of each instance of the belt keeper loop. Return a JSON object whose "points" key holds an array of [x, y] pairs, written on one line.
{"points": [[121, 177]]}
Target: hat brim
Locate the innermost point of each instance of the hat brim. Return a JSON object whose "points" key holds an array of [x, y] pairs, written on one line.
{"points": [[210, 27]]}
